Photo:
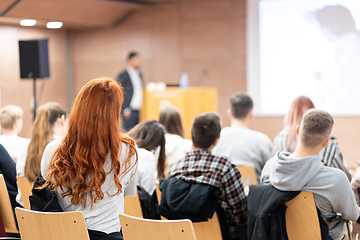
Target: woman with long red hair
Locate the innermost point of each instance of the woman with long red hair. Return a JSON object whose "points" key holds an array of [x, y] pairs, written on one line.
{"points": [[93, 166], [287, 139]]}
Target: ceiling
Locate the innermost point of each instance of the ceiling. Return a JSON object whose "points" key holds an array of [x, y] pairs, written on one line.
{"points": [[73, 13]]}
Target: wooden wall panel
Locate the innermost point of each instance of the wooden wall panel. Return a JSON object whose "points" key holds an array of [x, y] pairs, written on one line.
{"points": [[19, 92]]}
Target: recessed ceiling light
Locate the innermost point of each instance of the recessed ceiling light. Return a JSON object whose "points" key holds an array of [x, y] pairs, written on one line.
{"points": [[54, 25], [28, 22]]}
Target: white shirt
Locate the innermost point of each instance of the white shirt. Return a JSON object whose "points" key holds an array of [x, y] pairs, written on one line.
{"points": [[146, 172], [176, 148], [137, 98], [244, 146], [20, 163], [15, 146], [104, 216]]}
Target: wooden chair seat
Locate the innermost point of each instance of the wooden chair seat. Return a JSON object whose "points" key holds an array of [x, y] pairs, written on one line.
{"points": [[248, 171], [132, 206], [51, 226], [25, 188], [6, 210], [302, 220], [209, 230], [134, 228]]}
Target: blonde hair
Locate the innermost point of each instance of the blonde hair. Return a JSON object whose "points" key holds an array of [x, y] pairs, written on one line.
{"points": [[42, 134], [8, 115]]}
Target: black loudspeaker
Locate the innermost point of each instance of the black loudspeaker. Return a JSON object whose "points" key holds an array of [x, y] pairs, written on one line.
{"points": [[34, 59]]}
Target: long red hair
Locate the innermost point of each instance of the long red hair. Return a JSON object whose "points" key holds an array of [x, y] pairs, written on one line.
{"points": [[297, 109], [94, 132]]}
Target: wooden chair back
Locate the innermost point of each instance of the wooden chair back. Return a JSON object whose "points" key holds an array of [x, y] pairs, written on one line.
{"points": [[302, 220], [50, 225], [6, 210], [134, 228], [158, 192], [209, 230], [248, 171], [25, 188], [132, 206]]}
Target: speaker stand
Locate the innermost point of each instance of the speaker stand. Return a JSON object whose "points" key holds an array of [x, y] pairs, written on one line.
{"points": [[34, 98]]}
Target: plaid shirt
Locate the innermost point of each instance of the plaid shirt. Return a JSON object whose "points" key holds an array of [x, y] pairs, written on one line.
{"points": [[200, 166]]}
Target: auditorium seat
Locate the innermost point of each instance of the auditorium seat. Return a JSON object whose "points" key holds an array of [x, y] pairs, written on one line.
{"points": [[6, 210], [302, 220], [132, 206], [25, 188], [246, 172], [134, 228], [51, 226]]}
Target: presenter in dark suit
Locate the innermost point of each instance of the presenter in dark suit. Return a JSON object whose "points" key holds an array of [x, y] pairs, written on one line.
{"points": [[130, 80]]}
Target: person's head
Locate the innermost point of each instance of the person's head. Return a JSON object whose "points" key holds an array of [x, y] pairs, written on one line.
{"points": [[241, 106], [11, 119], [205, 130], [335, 20], [48, 117], [315, 128], [297, 109], [171, 119], [134, 60], [150, 135], [94, 133]]}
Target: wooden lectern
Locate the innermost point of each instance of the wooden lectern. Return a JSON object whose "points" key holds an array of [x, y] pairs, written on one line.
{"points": [[191, 102]]}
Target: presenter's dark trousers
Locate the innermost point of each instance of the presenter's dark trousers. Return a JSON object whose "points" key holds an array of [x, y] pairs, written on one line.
{"points": [[131, 121]]}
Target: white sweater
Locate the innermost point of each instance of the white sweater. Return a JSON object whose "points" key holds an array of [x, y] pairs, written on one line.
{"points": [[104, 216]]}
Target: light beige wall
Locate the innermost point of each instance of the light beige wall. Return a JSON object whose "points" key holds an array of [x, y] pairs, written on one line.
{"points": [[190, 36], [186, 36], [19, 92]]}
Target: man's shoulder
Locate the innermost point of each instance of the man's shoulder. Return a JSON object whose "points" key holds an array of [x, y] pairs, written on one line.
{"points": [[123, 76], [246, 133]]}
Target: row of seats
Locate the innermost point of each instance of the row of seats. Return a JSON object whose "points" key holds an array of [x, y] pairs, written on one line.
{"points": [[302, 205]]}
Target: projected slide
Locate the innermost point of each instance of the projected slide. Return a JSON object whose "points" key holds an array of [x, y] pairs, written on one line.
{"points": [[312, 48]]}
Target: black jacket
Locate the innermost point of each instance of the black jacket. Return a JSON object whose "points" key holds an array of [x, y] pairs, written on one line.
{"points": [[266, 212], [8, 170], [124, 80], [194, 201]]}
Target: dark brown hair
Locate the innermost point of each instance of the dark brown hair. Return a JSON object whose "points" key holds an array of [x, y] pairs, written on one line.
{"points": [[171, 119], [150, 135], [240, 104], [205, 129]]}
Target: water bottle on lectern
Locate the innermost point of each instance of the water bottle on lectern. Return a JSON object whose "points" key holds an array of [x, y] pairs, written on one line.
{"points": [[184, 81]]}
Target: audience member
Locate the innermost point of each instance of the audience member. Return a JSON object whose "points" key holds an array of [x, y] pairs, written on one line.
{"points": [[287, 139], [176, 145], [50, 124], [11, 125], [240, 144], [8, 170], [304, 171], [150, 138], [200, 166], [93, 166]]}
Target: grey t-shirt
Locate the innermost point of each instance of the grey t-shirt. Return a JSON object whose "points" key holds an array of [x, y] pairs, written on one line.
{"points": [[244, 146]]}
